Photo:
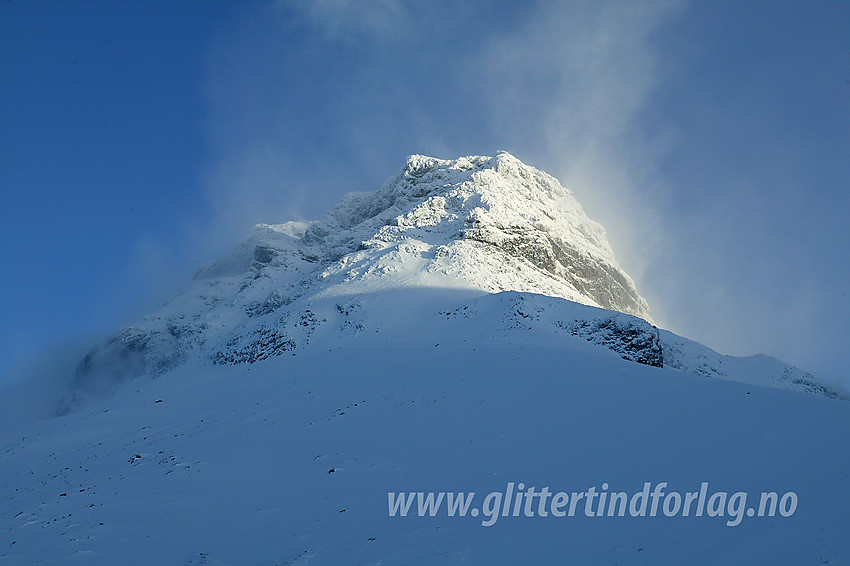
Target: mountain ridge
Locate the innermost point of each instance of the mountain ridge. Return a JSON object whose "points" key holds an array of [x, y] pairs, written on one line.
{"points": [[465, 229]]}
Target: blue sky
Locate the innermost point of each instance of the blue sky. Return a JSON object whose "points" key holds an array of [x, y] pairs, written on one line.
{"points": [[711, 139]]}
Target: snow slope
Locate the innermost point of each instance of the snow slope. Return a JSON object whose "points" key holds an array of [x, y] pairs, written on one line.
{"points": [[289, 460]]}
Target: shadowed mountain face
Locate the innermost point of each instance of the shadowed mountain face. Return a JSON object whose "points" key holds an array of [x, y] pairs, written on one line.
{"points": [[437, 235]]}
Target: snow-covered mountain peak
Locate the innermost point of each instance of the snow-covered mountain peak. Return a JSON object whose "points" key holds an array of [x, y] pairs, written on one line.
{"points": [[437, 235], [490, 223], [415, 336]]}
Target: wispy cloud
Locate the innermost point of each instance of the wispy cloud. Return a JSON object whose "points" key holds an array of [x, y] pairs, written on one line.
{"points": [[561, 84], [567, 88]]}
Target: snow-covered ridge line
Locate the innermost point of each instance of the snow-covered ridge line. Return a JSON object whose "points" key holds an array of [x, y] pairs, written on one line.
{"points": [[636, 340], [436, 235]]}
